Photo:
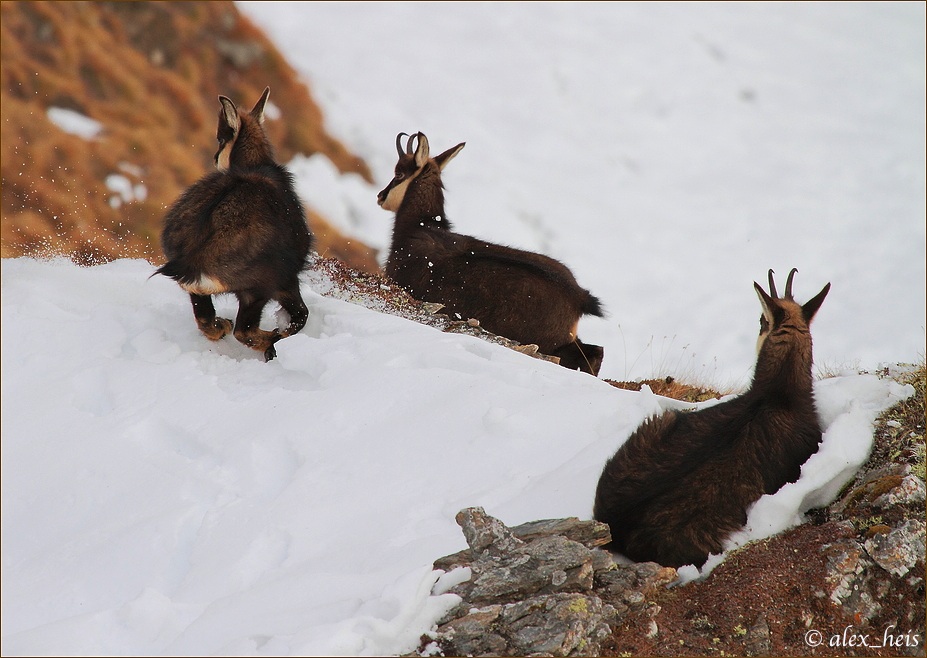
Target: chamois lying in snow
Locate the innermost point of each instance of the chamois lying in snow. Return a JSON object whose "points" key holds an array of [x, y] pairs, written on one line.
{"points": [[524, 296], [241, 230], [683, 482]]}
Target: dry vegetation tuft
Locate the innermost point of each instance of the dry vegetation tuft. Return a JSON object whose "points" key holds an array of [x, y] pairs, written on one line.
{"points": [[150, 73]]}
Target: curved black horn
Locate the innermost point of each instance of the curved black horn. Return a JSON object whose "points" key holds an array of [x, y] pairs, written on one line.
{"points": [[772, 286], [409, 150], [788, 283], [399, 143]]}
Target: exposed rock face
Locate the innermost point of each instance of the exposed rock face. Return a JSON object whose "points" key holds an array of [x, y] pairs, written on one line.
{"points": [[149, 73], [542, 588]]}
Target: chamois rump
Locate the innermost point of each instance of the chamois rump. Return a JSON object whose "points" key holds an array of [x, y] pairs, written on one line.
{"points": [[240, 230], [683, 482], [526, 297]]}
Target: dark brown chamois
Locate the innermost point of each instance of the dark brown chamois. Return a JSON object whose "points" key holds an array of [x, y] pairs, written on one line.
{"points": [[683, 482], [524, 296], [240, 230]]}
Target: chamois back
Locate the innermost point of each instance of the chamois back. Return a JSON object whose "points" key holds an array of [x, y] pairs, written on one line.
{"points": [[684, 481], [524, 296]]}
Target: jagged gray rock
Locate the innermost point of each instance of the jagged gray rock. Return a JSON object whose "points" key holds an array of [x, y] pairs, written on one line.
{"points": [[900, 549], [542, 588]]}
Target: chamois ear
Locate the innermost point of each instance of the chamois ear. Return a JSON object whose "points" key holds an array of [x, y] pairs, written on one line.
{"points": [[448, 155], [258, 110], [767, 302], [812, 305], [229, 114], [422, 151]]}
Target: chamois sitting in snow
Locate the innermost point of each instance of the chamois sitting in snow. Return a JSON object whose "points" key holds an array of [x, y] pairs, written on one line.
{"points": [[241, 230], [524, 296], [683, 482]]}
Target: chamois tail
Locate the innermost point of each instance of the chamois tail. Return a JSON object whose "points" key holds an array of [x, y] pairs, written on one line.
{"points": [[593, 306]]}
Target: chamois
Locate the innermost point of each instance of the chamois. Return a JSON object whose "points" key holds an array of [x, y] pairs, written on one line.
{"points": [[241, 230], [683, 482], [526, 297]]}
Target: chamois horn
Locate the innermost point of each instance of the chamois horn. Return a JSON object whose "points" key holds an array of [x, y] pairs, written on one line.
{"points": [[788, 283], [399, 143], [772, 286]]}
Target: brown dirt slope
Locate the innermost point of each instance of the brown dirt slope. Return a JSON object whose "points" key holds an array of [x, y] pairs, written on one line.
{"points": [[150, 73]]}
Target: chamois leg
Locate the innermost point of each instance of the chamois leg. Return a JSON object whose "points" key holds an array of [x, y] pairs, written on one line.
{"points": [[580, 356], [292, 302], [247, 325], [205, 313]]}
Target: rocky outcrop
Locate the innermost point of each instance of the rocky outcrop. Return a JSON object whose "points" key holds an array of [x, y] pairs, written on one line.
{"points": [[849, 582], [149, 74], [542, 588]]}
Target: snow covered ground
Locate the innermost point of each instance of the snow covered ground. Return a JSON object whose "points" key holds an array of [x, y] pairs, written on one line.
{"points": [[669, 153], [162, 495]]}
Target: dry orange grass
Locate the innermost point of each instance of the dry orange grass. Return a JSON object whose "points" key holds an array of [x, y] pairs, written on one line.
{"points": [[150, 72]]}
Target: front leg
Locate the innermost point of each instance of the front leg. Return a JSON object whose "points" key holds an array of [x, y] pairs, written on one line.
{"points": [[205, 313]]}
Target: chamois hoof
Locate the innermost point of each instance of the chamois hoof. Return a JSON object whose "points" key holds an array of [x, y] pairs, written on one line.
{"points": [[269, 354], [217, 329]]}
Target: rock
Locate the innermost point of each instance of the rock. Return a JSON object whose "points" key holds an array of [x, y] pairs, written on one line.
{"points": [[483, 531], [898, 550], [848, 573], [532, 588], [909, 491], [588, 533], [758, 641]]}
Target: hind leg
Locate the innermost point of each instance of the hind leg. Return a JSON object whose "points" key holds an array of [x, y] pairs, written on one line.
{"points": [[247, 325], [580, 356], [205, 313], [292, 303]]}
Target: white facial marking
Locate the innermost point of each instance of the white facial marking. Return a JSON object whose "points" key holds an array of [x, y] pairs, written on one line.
{"points": [[222, 162]]}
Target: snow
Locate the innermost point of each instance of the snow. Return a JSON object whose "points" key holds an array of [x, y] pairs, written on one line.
{"points": [[164, 495], [669, 153], [74, 123]]}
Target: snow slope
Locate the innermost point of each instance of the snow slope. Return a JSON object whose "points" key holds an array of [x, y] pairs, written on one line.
{"points": [[669, 153], [163, 495]]}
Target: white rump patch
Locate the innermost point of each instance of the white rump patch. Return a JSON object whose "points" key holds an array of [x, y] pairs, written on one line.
{"points": [[205, 285]]}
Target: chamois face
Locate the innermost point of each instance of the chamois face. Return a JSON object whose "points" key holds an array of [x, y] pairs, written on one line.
{"points": [[243, 130], [783, 315], [410, 166]]}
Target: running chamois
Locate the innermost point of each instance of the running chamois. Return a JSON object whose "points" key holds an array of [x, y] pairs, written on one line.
{"points": [[683, 482], [240, 230], [524, 296]]}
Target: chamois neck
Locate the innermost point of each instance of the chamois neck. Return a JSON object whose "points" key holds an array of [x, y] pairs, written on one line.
{"points": [[252, 149], [783, 369], [423, 204]]}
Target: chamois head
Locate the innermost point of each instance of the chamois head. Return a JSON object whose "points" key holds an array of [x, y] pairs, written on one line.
{"points": [[411, 164], [784, 312], [241, 137]]}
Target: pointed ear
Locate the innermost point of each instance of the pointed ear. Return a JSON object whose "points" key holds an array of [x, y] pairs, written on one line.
{"points": [[229, 114], [258, 110], [767, 302], [422, 151], [812, 305], [449, 155]]}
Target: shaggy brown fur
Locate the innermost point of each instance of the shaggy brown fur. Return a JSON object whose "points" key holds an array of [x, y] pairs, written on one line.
{"points": [[240, 230], [683, 482], [526, 297]]}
